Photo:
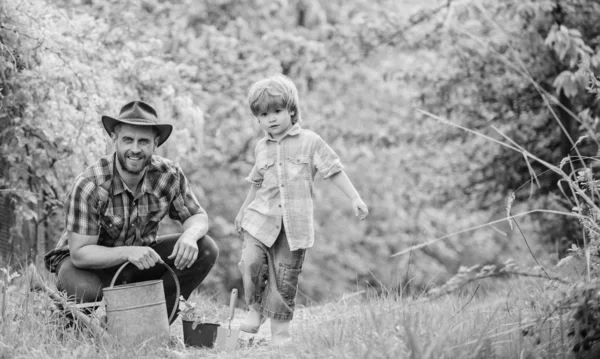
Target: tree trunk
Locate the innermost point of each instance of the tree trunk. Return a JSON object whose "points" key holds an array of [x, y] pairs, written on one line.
{"points": [[568, 123]]}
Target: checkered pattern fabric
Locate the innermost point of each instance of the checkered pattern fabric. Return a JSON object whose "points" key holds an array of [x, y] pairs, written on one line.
{"points": [[284, 173], [100, 204]]}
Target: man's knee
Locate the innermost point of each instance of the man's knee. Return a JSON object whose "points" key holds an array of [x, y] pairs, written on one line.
{"points": [[208, 252], [80, 284]]}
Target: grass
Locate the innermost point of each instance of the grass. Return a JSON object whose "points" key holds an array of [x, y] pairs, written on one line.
{"points": [[496, 318]]}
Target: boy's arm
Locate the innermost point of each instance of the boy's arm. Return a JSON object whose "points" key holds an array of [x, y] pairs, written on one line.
{"points": [[247, 201], [341, 181]]}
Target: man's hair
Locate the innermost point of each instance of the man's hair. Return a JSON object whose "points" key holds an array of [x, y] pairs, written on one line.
{"points": [[118, 126], [273, 93]]}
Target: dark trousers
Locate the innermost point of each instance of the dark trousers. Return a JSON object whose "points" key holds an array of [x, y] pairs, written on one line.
{"points": [[85, 285]]}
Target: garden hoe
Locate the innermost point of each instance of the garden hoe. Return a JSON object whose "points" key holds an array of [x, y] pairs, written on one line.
{"points": [[37, 283]]}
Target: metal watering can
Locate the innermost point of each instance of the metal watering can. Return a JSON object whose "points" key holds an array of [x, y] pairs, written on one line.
{"points": [[136, 312]]}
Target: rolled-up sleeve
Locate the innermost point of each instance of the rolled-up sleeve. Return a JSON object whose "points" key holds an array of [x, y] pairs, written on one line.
{"points": [[255, 177], [184, 204], [326, 161]]}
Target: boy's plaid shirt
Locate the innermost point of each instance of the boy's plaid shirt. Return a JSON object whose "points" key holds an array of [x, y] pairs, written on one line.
{"points": [[284, 173], [100, 204]]}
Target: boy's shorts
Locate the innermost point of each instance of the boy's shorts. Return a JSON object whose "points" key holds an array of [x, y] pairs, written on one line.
{"points": [[270, 275]]}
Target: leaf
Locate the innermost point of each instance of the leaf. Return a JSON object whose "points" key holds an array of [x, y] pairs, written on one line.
{"points": [[29, 214], [567, 83]]}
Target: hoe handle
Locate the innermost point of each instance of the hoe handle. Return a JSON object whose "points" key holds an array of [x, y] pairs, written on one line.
{"points": [[37, 283]]}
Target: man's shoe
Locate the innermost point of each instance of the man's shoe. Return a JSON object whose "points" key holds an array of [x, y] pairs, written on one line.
{"points": [[280, 332]]}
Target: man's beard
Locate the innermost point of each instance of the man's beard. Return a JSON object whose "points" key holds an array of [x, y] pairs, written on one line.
{"points": [[123, 162]]}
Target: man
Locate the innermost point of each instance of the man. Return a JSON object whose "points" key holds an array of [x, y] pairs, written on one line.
{"points": [[113, 213]]}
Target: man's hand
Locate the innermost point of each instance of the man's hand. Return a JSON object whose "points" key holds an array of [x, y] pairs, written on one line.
{"points": [[185, 251], [238, 221], [359, 206], [142, 257]]}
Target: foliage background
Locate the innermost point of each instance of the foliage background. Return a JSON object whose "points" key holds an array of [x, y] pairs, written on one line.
{"points": [[363, 69]]}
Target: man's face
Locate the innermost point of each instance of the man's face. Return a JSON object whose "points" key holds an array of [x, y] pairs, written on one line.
{"points": [[135, 146]]}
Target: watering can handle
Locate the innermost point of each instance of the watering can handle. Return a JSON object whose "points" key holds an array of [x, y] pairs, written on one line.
{"points": [[178, 290]]}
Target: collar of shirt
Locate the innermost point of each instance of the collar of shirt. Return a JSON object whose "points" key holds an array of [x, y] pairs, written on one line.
{"points": [[292, 131]]}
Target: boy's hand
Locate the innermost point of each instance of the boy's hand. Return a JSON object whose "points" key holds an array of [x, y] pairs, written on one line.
{"points": [[238, 221], [359, 206]]}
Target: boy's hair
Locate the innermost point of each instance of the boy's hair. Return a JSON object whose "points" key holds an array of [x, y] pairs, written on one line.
{"points": [[273, 93]]}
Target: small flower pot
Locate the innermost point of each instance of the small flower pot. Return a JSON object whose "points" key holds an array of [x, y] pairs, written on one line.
{"points": [[203, 335], [210, 335]]}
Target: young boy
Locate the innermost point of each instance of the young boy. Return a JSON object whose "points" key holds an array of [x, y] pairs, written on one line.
{"points": [[277, 215]]}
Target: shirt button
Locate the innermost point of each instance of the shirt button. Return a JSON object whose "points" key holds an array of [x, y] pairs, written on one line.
{"points": [[279, 206], [280, 163]]}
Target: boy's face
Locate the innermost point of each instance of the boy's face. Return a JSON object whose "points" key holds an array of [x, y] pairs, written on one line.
{"points": [[275, 122]]}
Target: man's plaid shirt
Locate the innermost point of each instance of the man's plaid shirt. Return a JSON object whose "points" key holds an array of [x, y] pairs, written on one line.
{"points": [[100, 204], [284, 173]]}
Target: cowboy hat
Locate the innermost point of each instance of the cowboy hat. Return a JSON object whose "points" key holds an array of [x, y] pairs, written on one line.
{"points": [[138, 113]]}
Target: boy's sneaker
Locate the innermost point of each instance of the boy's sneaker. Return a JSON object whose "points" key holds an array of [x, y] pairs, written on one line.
{"points": [[253, 321]]}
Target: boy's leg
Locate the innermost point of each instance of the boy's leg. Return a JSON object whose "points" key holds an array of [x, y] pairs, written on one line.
{"points": [[253, 266], [287, 266]]}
